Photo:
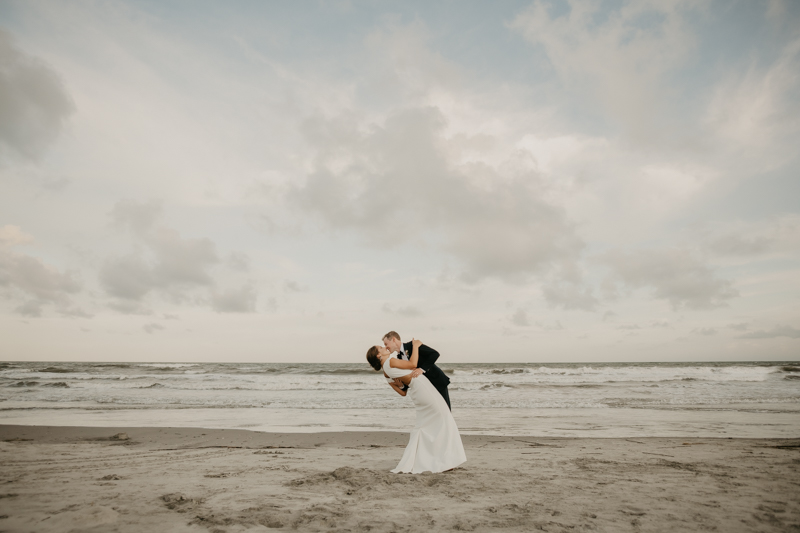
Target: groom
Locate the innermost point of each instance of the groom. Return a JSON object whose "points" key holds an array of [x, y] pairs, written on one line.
{"points": [[427, 362]]}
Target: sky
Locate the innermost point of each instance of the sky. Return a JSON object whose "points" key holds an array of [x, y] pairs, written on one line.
{"points": [[509, 181]]}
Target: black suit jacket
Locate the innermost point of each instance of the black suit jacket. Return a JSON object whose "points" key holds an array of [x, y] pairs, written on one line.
{"points": [[427, 362]]}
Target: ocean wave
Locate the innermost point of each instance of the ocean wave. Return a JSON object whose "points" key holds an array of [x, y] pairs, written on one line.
{"points": [[489, 397], [167, 365], [54, 370], [494, 386], [24, 384], [607, 374], [561, 373], [308, 386], [343, 382], [76, 376], [284, 386]]}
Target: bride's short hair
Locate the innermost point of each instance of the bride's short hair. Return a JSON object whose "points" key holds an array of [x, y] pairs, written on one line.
{"points": [[373, 359]]}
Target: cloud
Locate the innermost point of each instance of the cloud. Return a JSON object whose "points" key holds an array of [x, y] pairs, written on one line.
{"points": [[292, 286], [128, 277], [654, 324], [404, 65], [674, 275], [620, 58], [520, 318], [13, 236], [74, 312], [25, 276], [740, 245], [242, 300], [755, 109], [704, 331], [152, 326], [128, 307], [138, 217], [34, 104], [239, 261], [168, 265], [31, 308], [777, 331], [392, 183], [556, 326], [35, 278], [179, 261], [172, 264], [569, 296], [779, 234], [56, 184]]}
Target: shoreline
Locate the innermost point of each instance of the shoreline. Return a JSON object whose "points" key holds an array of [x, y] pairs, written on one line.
{"points": [[60, 478], [768, 421], [251, 438]]}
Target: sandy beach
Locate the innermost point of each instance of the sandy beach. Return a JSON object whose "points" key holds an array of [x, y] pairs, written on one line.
{"points": [[178, 479]]}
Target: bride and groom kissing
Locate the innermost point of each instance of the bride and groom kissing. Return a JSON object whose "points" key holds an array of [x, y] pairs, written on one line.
{"points": [[410, 369]]}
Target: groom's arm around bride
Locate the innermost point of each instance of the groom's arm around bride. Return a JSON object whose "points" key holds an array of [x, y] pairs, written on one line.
{"points": [[427, 362]]}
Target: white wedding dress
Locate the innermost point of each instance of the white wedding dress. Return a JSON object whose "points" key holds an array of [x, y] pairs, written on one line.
{"points": [[434, 444]]}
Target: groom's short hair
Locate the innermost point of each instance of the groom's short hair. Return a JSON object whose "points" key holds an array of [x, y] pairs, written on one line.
{"points": [[392, 335]]}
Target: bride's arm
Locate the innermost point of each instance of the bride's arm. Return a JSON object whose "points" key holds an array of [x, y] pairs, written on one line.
{"points": [[411, 364], [414, 359], [397, 389], [402, 380]]}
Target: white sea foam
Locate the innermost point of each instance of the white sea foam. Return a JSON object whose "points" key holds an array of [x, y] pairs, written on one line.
{"points": [[167, 365]]}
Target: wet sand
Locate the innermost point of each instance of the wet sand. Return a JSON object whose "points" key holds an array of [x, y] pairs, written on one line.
{"points": [[206, 480]]}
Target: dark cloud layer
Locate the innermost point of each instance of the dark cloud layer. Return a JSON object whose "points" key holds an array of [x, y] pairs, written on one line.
{"points": [[33, 102]]}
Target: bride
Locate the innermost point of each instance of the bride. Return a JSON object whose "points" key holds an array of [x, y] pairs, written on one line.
{"points": [[434, 444]]}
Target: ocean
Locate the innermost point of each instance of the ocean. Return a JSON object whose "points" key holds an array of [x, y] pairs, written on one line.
{"points": [[566, 400]]}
